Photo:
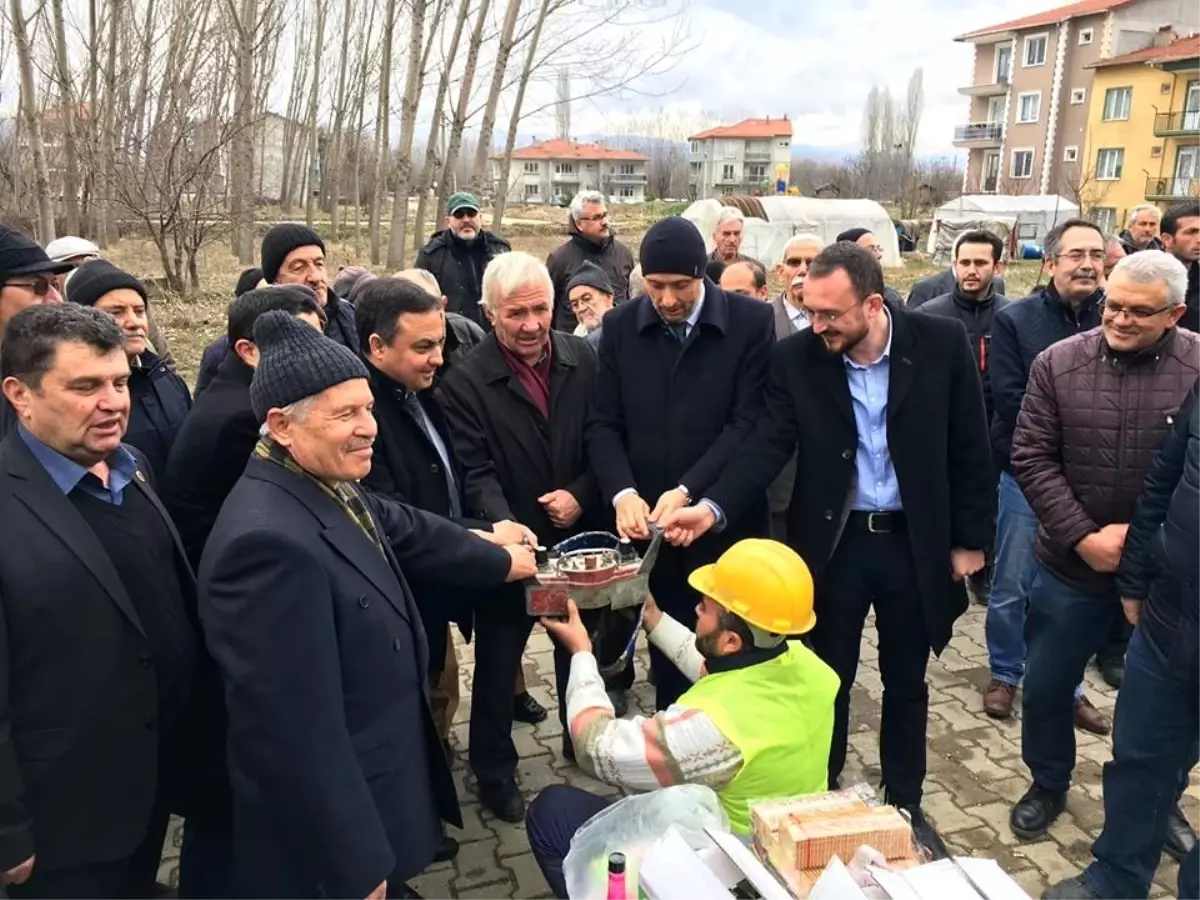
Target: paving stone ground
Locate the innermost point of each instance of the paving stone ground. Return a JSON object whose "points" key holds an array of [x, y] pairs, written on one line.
{"points": [[975, 775]]}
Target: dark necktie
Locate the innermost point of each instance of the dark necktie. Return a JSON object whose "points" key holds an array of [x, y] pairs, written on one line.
{"points": [[679, 329], [413, 405]]}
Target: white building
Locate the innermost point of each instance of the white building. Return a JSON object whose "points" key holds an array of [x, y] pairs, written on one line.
{"points": [[737, 159], [555, 171]]}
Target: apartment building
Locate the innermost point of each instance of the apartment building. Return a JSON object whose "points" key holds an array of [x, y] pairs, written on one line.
{"points": [[738, 159], [1032, 86], [1143, 140], [555, 171]]}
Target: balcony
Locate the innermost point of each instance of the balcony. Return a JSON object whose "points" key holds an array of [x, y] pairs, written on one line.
{"points": [[757, 156], [996, 89], [1172, 188], [979, 134], [627, 179], [566, 177], [1177, 124]]}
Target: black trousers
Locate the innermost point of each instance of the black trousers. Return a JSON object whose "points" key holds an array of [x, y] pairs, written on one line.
{"points": [[554, 816], [131, 877], [1117, 643], [878, 570]]}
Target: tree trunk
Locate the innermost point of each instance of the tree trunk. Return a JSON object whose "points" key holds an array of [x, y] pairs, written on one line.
{"points": [[136, 129], [487, 128], [429, 170], [107, 137], [360, 109], [408, 124], [288, 177], [90, 191], [310, 186], [242, 147], [382, 145], [331, 184], [515, 119], [450, 163], [29, 108], [67, 99]]}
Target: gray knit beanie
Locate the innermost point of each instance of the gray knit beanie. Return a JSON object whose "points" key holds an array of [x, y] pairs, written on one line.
{"points": [[296, 361]]}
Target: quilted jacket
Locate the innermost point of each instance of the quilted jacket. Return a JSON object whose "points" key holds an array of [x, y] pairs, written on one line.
{"points": [[1090, 425]]}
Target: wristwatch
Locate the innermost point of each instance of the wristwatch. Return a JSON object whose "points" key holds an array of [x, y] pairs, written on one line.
{"points": [[687, 495]]}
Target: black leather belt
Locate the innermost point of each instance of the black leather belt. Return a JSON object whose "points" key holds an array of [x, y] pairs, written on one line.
{"points": [[878, 522]]}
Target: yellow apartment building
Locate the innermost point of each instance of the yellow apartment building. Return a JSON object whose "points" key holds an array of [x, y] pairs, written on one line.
{"points": [[1142, 141]]}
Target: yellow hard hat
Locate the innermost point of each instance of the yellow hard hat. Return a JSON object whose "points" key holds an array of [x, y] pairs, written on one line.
{"points": [[766, 583]]}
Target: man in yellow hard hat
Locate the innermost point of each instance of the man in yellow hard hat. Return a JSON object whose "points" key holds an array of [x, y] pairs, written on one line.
{"points": [[757, 721]]}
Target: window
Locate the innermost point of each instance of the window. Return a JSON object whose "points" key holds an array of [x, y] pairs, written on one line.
{"points": [[1004, 54], [1022, 164], [1035, 49], [1086, 35], [1027, 231], [531, 168], [626, 168], [1029, 107], [1109, 162], [1116, 103], [756, 173], [564, 168], [1070, 154], [531, 190], [696, 147], [727, 173], [731, 149], [1105, 218], [626, 192], [1078, 96]]}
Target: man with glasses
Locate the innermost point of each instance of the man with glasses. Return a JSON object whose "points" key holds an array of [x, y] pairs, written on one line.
{"points": [[1097, 408], [458, 255], [1068, 305], [892, 505], [591, 240], [590, 296], [27, 278]]}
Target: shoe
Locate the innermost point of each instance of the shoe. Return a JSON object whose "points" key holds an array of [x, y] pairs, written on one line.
{"points": [[619, 701], [979, 587], [1090, 719], [1070, 889], [925, 834], [568, 748], [998, 699], [446, 850], [1112, 671], [528, 710], [1181, 838], [503, 799], [1036, 812]]}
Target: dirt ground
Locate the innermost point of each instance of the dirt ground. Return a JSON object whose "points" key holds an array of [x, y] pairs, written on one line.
{"points": [[192, 322]]}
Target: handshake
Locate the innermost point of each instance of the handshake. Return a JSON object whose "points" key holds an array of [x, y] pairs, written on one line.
{"points": [[519, 541]]}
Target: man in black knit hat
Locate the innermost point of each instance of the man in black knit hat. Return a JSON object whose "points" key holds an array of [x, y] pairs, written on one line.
{"points": [[680, 386], [590, 295], [160, 398], [339, 780], [295, 254]]}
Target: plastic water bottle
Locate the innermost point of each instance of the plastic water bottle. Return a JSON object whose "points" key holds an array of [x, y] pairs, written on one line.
{"points": [[616, 877]]}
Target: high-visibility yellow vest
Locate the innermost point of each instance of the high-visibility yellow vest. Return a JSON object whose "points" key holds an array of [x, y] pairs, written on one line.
{"points": [[779, 714]]}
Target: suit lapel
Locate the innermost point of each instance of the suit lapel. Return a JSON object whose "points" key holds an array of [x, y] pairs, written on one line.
{"points": [[783, 322], [833, 378], [140, 484], [34, 487], [903, 368]]}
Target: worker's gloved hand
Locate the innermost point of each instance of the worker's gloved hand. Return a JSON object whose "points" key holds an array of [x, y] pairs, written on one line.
{"points": [[570, 632]]}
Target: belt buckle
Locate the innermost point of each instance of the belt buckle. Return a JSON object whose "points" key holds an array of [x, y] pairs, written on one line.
{"points": [[871, 523]]}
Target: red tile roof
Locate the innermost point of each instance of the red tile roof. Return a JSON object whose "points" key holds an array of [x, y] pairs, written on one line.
{"points": [[749, 129], [1181, 48], [562, 149], [1048, 17]]}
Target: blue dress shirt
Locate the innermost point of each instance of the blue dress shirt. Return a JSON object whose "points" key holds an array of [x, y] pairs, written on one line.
{"points": [[69, 475], [877, 487]]}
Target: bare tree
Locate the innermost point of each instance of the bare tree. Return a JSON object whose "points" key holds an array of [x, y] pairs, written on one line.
{"points": [[408, 124], [311, 119], [66, 96], [332, 182], [33, 125], [243, 19], [108, 139], [301, 70], [449, 165], [487, 128], [515, 119], [382, 144]]}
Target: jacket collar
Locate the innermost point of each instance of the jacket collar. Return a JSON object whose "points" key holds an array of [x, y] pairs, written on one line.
{"points": [[751, 656], [1055, 300], [232, 368], [970, 304], [714, 311], [493, 366], [1163, 346]]}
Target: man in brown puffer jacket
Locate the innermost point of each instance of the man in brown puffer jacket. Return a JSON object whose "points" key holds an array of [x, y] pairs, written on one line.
{"points": [[1096, 410]]}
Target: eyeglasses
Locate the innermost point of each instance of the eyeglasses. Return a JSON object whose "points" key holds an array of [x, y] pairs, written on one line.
{"points": [[1134, 312], [40, 285], [1078, 256], [598, 217], [825, 318], [464, 213]]}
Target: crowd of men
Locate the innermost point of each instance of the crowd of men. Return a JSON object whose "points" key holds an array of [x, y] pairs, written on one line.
{"points": [[236, 606]]}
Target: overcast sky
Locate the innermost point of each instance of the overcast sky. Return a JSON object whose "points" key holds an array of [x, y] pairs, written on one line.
{"points": [[816, 61]]}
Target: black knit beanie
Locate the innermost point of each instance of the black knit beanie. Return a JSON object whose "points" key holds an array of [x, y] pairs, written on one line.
{"points": [[590, 275], [247, 281], [94, 279], [296, 361], [853, 234], [282, 239], [673, 246]]}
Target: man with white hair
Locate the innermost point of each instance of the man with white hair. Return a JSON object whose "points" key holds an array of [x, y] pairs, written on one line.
{"points": [[727, 236], [1082, 463], [339, 781], [1141, 229], [792, 270], [516, 407], [591, 240]]}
